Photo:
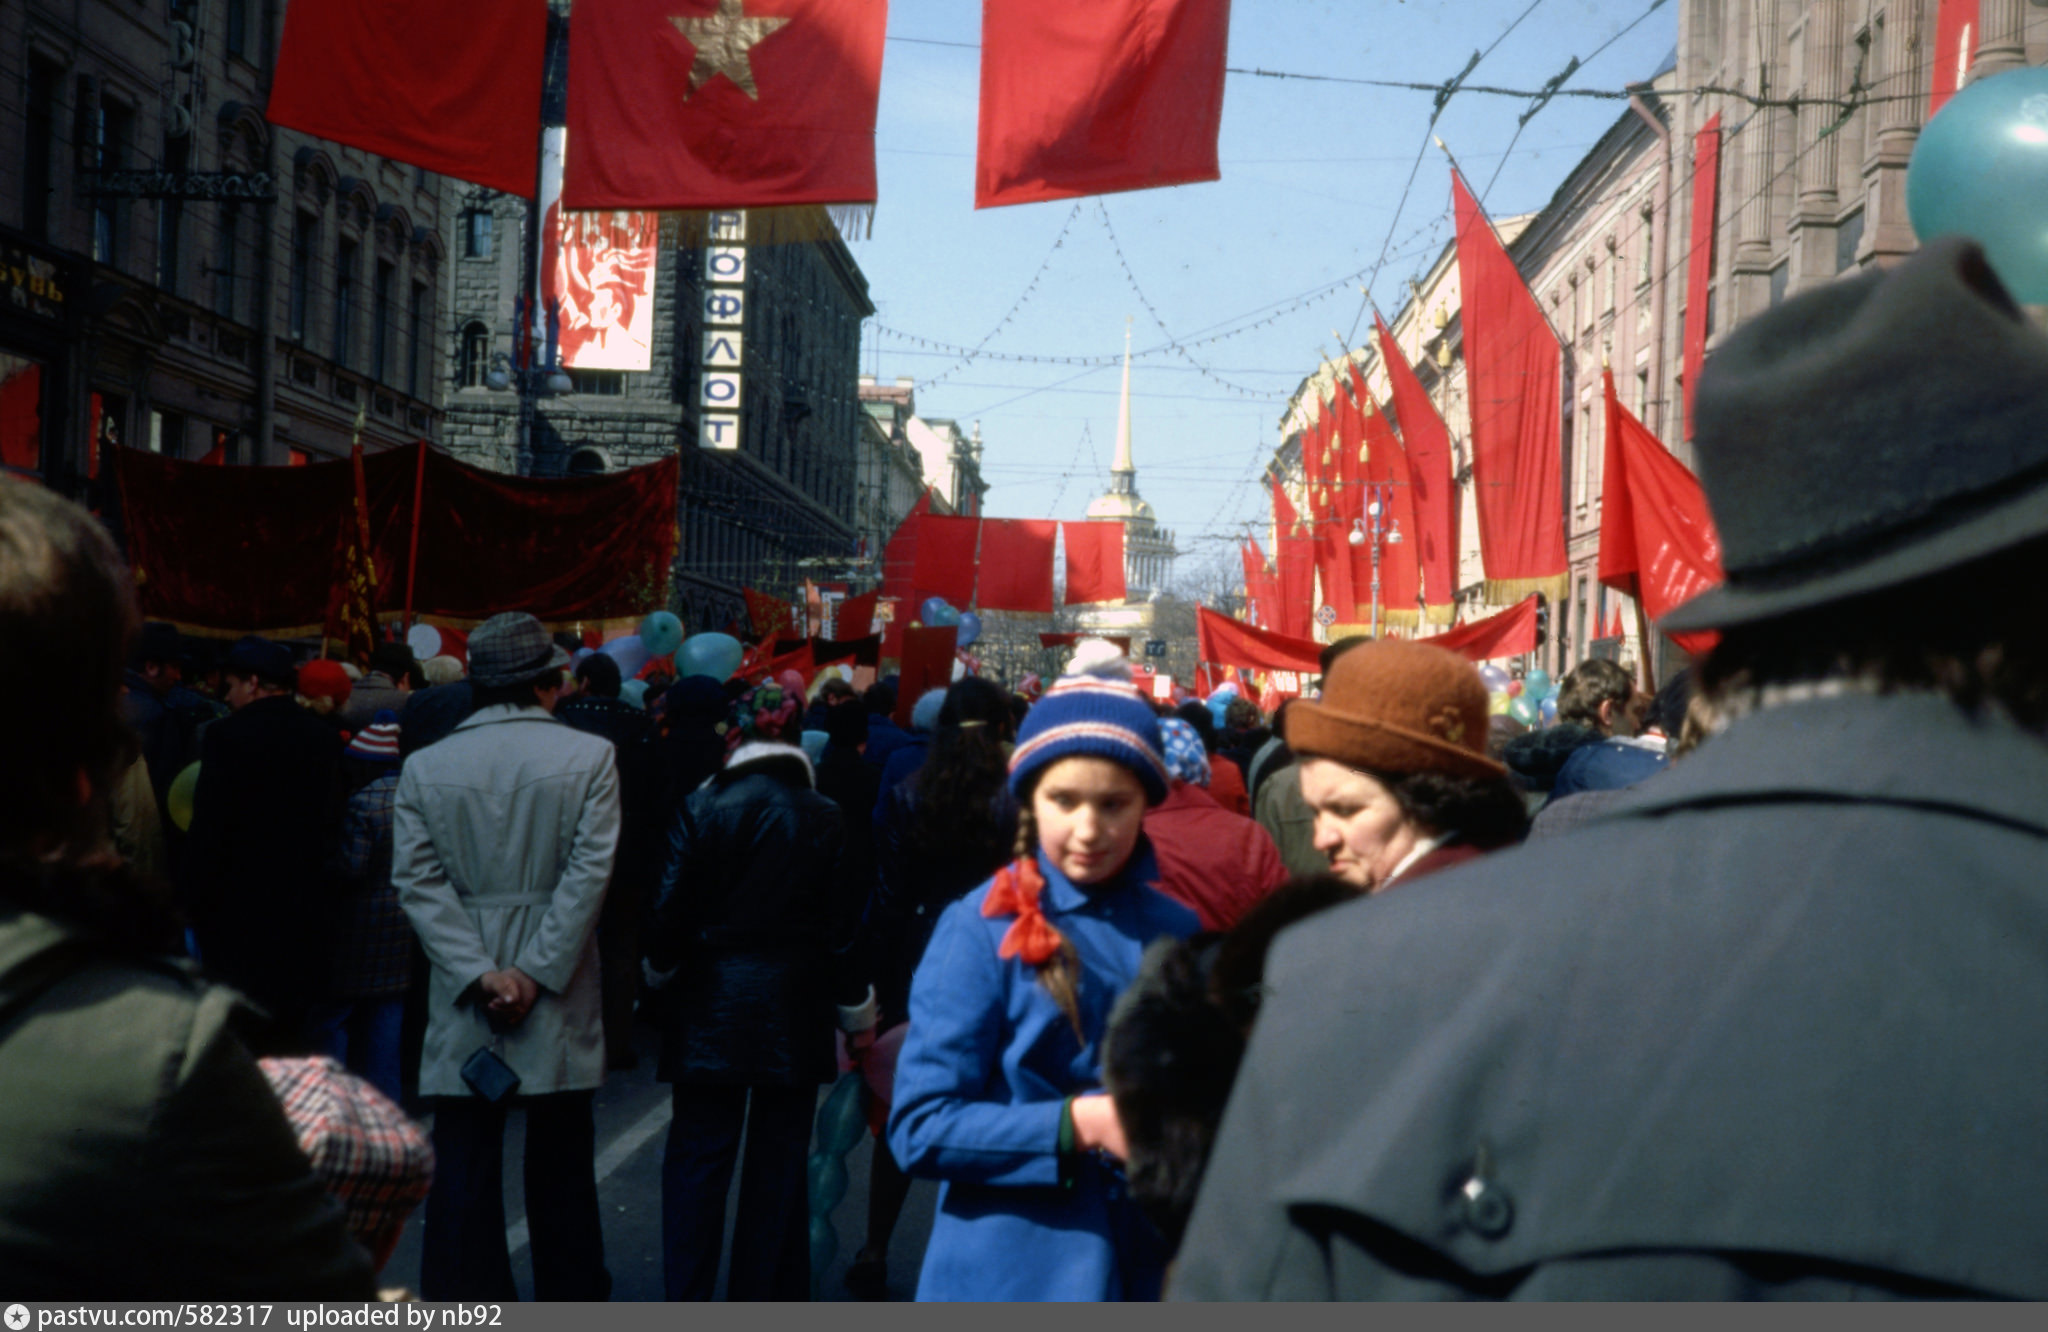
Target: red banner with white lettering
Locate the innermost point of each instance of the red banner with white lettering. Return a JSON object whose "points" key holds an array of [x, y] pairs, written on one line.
{"points": [[1095, 562], [1426, 441], [1512, 368], [1657, 538], [1699, 263], [1016, 564]]}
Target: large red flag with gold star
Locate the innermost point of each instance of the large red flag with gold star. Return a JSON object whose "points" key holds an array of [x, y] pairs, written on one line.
{"points": [[715, 104]]}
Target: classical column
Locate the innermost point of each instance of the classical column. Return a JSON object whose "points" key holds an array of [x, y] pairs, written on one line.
{"points": [[2003, 44], [1813, 217], [1902, 75]]}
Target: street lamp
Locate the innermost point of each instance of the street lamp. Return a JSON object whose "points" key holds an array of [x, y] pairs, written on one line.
{"points": [[1379, 533], [534, 382]]}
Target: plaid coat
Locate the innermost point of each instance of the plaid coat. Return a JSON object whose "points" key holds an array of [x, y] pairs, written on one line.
{"points": [[372, 937]]}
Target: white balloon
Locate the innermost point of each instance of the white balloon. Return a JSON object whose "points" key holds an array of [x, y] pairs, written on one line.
{"points": [[425, 641]]}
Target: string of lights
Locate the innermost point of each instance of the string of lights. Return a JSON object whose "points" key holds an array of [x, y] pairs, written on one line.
{"points": [[1016, 306], [1102, 211]]}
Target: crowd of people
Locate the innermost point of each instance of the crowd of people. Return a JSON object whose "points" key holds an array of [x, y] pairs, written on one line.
{"points": [[1718, 991]]}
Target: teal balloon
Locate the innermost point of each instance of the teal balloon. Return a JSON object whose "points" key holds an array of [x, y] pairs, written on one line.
{"points": [[662, 633], [970, 628], [634, 692], [1538, 686], [1525, 710], [1980, 169], [827, 1182], [946, 618], [715, 655], [932, 609], [824, 1248], [842, 1119]]}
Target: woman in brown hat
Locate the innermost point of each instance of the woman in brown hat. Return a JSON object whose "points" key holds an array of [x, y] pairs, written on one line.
{"points": [[1393, 763]]}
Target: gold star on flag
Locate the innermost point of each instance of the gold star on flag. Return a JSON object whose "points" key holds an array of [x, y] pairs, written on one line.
{"points": [[722, 41]]}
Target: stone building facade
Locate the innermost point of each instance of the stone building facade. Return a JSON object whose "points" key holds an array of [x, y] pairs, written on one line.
{"points": [[196, 281]]}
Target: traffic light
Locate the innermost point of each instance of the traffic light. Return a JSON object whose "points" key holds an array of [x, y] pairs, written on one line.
{"points": [[1542, 619]]}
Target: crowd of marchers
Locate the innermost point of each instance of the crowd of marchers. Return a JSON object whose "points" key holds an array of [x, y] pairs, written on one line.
{"points": [[1726, 991]]}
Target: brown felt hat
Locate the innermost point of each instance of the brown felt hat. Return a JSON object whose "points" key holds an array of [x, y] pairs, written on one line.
{"points": [[1397, 707]]}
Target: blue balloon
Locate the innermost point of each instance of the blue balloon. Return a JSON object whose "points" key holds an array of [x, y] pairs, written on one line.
{"points": [[932, 609], [1980, 169], [1547, 709], [970, 628], [1494, 677], [1537, 685], [662, 632], [946, 618], [629, 652], [715, 655]]}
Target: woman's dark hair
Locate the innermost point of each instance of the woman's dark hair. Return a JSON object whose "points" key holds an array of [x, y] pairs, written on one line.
{"points": [[956, 819], [1485, 812], [65, 596], [526, 693], [1198, 716]]}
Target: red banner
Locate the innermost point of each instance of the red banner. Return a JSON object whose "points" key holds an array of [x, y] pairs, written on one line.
{"points": [[1016, 564], [1657, 538], [452, 88], [1225, 642], [1386, 468], [251, 549], [352, 612], [1512, 368], [702, 104], [1426, 442], [1261, 586], [1093, 96], [946, 559], [1511, 633], [1095, 562], [927, 665], [1955, 42], [856, 616], [1699, 264]]}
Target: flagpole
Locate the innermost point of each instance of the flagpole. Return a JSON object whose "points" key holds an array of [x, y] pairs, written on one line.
{"points": [[412, 554]]}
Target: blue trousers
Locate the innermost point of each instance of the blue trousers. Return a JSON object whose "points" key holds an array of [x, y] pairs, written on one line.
{"points": [[366, 1035], [771, 1241]]}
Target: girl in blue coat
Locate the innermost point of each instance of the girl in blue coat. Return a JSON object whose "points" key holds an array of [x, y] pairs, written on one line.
{"points": [[998, 1087]]}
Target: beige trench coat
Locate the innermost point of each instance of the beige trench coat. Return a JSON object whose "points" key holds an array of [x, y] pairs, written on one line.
{"points": [[504, 835]]}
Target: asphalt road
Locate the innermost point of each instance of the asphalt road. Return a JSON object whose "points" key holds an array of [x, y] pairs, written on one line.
{"points": [[632, 1124]]}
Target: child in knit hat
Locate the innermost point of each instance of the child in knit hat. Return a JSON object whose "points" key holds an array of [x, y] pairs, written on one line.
{"points": [[998, 1086]]}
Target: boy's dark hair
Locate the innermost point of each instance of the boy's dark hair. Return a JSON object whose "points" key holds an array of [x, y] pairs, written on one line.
{"points": [[599, 675], [835, 688], [1590, 684], [394, 660]]}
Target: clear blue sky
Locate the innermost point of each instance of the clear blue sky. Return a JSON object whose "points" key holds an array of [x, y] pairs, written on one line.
{"points": [[1311, 177]]}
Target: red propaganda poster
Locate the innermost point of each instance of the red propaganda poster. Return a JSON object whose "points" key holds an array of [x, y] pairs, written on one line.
{"points": [[603, 277]]}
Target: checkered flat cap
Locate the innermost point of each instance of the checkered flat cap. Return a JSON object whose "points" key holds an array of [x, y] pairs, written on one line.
{"points": [[508, 648]]}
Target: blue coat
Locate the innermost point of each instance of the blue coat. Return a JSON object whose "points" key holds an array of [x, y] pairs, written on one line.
{"points": [[985, 1068]]}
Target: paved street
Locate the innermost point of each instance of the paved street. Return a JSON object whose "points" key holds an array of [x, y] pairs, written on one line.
{"points": [[632, 1124]]}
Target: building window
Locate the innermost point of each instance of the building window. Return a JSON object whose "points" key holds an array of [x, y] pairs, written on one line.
{"points": [[38, 178], [586, 462], [1578, 643], [1642, 394], [238, 28], [417, 348], [227, 237], [115, 132], [345, 303], [476, 234], [1610, 278], [1646, 260], [380, 319], [476, 355], [599, 383], [167, 434], [170, 220], [1781, 276], [305, 231]]}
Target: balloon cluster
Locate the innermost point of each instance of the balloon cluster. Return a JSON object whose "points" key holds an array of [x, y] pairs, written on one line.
{"points": [[841, 1121], [1531, 700], [938, 613]]}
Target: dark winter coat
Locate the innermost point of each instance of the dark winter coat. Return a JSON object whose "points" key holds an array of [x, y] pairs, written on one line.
{"points": [[1769, 1027], [912, 888], [750, 914]]}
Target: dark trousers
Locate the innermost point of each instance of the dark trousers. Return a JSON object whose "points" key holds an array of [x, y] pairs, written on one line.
{"points": [[464, 1255], [771, 1242]]}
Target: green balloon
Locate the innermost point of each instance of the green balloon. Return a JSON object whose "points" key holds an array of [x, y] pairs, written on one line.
{"points": [[179, 798], [1525, 710], [824, 1248], [827, 1182], [842, 1119]]}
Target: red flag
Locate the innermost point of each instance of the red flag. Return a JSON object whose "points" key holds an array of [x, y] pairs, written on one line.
{"points": [[928, 655], [1512, 368], [945, 558], [1426, 442], [899, 553], [1261, 586], [1095, 562], [1657, 538], [1385, 464], [1955, 42], [452, 88], [1699, 266], [1511, 633], [1016, 564], [1615, 630], [703, 104], [768, 616], [352, 614], [1094, 96], [1295, 559], [856, 616], [1224, 641]]}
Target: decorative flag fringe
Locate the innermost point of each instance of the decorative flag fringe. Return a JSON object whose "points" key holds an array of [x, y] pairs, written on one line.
{"points": [[691, 229], [1508, 591], [1440, 615], [1406, 618]]}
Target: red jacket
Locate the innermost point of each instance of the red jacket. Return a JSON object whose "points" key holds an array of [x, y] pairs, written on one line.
{"points": [[1218, 863]]}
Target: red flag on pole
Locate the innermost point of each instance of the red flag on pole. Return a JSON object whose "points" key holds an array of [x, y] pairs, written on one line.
{"points": [[1427, 443], [1955, 42], [946, 558], [711, 104], [1511, 633], [352, 619], [1294, 557], [770, 617], [1512, 367], [1385, 465], [1095, 562], [1016, 564], [452, 88], [1094, 96], [1657, 538], [1699, 266]]}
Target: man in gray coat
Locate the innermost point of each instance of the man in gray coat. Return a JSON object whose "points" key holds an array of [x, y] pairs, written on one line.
{"points": [[504, 836], [1770, 1026]]}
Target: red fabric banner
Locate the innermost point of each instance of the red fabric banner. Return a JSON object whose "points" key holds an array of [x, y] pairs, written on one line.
{"points": [[1511, 633], [768, 616], [1285, 519], [899, 553], [1094, 96], [251, 549], [1016, 564], [1224, 641], [856, 616], [1261, 586], [1426, 443], [1512, 367], [1657, 538], [714, 104], [927, 665], [352, 611], [1095, 562], [1386, 466], [1955, 42], [1699, 263], [452, 88], [945, 560]]}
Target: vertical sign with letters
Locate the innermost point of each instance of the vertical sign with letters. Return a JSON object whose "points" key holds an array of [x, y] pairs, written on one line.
{"points": [[720, 381]]}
